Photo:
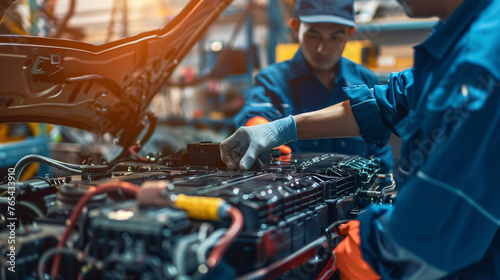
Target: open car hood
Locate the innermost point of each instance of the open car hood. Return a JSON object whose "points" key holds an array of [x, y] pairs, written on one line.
{"points": [[104, 88]]}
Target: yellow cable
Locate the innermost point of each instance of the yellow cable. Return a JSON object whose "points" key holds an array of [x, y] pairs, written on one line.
{"points": [[202, 208]]}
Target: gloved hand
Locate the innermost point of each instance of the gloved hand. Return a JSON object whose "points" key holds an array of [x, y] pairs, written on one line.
{"points": [[350, 261], [243, 147], [285, 150]]}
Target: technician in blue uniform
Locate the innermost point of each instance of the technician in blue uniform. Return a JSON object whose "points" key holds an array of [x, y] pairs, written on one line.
{"points": [[446, 218], [314, 78]]}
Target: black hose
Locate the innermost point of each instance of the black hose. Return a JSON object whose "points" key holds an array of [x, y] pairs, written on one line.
{"points": [[151, 128]]}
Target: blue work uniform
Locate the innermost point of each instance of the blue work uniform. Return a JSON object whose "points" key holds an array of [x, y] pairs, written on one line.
{"points": [[446, 218], [290, 88]]}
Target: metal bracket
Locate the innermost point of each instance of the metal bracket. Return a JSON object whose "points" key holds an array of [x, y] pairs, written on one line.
{"points": [[49, 67]]}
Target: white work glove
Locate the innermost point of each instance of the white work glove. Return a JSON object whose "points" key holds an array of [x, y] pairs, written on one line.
{"points": [[247, 143]]}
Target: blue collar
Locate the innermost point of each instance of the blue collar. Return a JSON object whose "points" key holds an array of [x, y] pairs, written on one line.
{"points": [[300, 68], [446, 34]]}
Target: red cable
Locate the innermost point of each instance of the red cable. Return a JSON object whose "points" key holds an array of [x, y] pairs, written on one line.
{"points": [[132, 149], [228, 238], [124, 186]]}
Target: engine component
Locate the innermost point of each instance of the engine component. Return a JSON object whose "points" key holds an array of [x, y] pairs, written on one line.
{"points": [[286, 205], [135, 242]]}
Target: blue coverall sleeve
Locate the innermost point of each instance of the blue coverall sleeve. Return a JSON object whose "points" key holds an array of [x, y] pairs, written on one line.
{"points": [[447, 214], [377, 110], [261, 100], [371, 80]]}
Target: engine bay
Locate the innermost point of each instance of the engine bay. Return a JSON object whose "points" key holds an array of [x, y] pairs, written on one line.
{"points": [[186, 216]]}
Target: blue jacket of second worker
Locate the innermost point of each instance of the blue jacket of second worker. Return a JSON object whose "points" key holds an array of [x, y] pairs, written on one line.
{"points": [[290, 88], [446, 218]]}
